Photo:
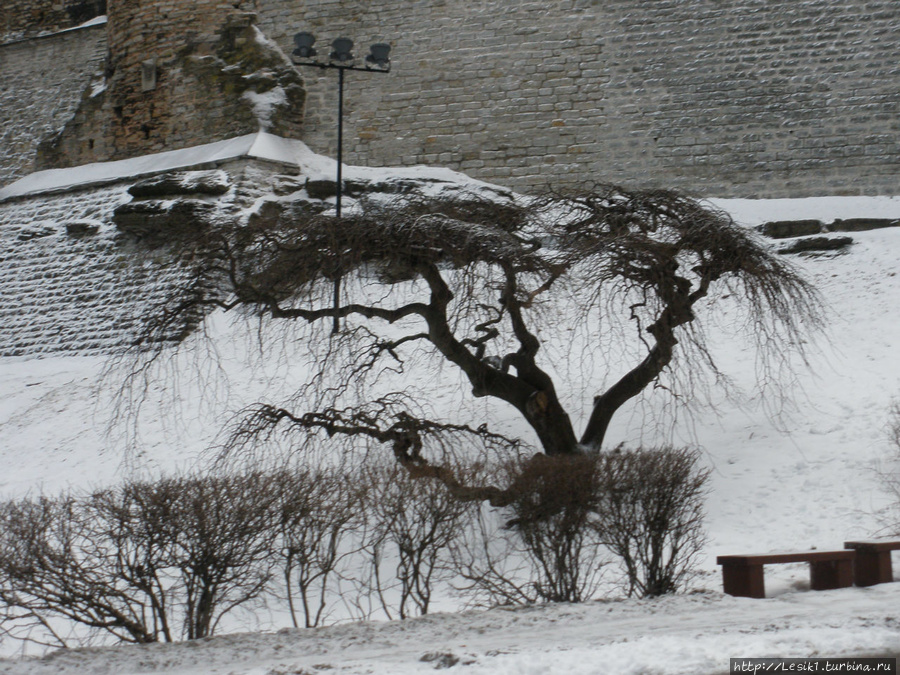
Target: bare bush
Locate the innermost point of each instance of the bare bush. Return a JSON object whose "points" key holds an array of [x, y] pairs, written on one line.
{"points": [[136, 561], [894, 426], [889, 473], [414, 522], [574, 515], [650, 515], [551, 532], [490, 568], [221, 535], [55, 563], [319, 522], [552, 511]]}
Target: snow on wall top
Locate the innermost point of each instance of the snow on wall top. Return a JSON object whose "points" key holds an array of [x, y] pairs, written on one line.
{"points": [[295, 155]]}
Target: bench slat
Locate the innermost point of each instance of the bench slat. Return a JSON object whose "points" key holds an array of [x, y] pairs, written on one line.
{"points": [[777, 558], [874, 544]]}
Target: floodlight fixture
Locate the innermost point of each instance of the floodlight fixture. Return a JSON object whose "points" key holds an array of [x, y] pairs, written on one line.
{"points": [[341, 50], [304, 45], [341, 58], [379, 56]]}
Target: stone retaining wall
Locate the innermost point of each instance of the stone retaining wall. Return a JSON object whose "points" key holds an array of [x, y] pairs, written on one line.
{"points": [[65, 288], [72, 281]]}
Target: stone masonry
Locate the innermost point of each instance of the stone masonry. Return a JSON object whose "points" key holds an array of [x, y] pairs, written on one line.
{"points": [[22, 19], [747, 98], [41, 85], [178, 75], [61, 254], [73, 280], [719, 97]]}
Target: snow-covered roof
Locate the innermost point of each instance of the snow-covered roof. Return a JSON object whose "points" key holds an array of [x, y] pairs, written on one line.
{"points": [[256, 146], [261, 146]]}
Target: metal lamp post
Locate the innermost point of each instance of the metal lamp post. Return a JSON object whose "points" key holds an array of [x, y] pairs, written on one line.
{"points": [[341, 58]]}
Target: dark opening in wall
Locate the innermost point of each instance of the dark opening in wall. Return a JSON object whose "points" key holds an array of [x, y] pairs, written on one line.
{"points": [[80, 11]]}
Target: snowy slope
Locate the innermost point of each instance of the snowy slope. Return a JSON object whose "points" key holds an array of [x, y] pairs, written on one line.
{"points": [[807, 481], [685, 635]]}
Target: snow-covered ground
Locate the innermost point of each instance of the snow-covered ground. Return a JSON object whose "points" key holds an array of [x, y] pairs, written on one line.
{"points": [[692, 634], [805, 480]]}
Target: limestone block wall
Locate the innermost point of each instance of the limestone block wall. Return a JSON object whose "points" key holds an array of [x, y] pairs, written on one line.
{"points": [[72, 281], [720, 97], [66, 282], [41, 85]]}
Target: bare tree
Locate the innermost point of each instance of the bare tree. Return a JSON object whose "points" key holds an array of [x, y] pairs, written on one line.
{"points": [[480, 283]]}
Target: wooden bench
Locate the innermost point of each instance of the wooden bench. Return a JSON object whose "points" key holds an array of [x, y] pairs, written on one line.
{"points": [[742, 575], [873, 561]]}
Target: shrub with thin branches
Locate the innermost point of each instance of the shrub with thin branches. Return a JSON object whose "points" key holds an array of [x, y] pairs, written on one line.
{"points": [[144, 562], [552, 512], [549, 551], [650, 515], [57, 564], [221, 536], [889, 474], [414, 523], [572, 516], [320, 522]]}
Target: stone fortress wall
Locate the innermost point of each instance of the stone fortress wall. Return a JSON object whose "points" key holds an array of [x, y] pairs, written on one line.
{"points": [[172, 75], [719, 97], [767, 98], [744, 98]]}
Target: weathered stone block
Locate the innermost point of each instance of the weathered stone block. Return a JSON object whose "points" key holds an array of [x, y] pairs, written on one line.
{"points": [[157, 222], [783, 229], [213, 183], [814, 244], [862, 224], [82, 228]]}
